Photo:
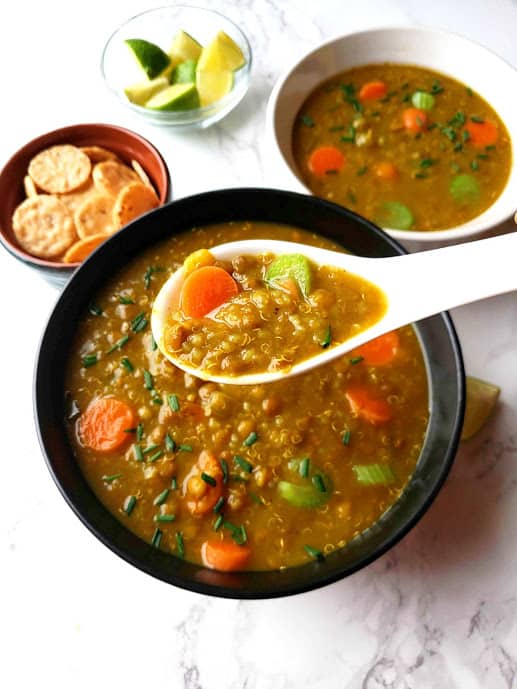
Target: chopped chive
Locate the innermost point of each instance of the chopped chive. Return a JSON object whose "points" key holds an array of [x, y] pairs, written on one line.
{"points": [[174, 402], [180, 544], [129, 430], [406, 98], [314, 552], [94, 309], [420, 175], [224, 467], [174, 483], [351, 197], [111, 478], [349, 96], [140, 431], [465, 134], [251, 439], [139, 323], [148, 380], [256, 499], [154, 346], [129, 504], [157, 537], [164, 517], [349, 137], [356, 360], [474, 118], [458, 119], [303, 469], [218, 522], [239, 534], [127, 364], [170, 445], [219, 505], [307, 121], [149, 273], [427, 162], [490, 147], [361, 171], [137, 451], [474, 165], [150, 448], [469, 91], [405, 85], [327, 338], [449, 132], [318, 483], [436, 88], [208, 479], [457, 147], [337, 128], [89, 360], [125, 300], [345, 438], [156, 456], [243, 463], [157, 400], [185, 448], [162, 497], [119, 344]]}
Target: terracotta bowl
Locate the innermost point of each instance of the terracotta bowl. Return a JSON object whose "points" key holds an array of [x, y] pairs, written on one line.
{"points": [[126, 144]]}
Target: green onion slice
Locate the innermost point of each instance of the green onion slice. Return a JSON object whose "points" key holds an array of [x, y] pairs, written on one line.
{"points": [[422, 100]]}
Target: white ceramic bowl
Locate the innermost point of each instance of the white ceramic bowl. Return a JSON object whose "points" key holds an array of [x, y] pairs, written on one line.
{"points": [[452, 55]]}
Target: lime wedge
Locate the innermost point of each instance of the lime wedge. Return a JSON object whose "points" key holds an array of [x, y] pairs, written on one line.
{"points": [[141, 92], [481, 401], [175, 97], [184, 73], [293, 266], [184, 47], [221, 54], [151, 58], [212, 86]]}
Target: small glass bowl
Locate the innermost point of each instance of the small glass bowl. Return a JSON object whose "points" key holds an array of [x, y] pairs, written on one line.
{"points": [[159, 26]]}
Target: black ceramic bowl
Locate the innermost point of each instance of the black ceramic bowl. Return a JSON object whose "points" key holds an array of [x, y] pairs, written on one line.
{"points": [[438, 340]]}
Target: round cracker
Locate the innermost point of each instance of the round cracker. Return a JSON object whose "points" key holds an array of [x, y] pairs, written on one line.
{"points": [[43, 226], [75, 199], [60, 169], [83, 248], [95, 216], [134, 200], [111, 177], [97, 154]]}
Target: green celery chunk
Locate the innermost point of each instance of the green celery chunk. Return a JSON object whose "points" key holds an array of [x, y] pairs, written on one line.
{"points": [[464, 189], [374, 474], [293, 266], [310, 493], [394, 215]]}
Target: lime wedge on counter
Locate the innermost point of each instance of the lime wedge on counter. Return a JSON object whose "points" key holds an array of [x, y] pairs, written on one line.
{"points": [[141, 92], [293, 266], [184, 73], [175, 97], [481, 401], [184, 47], [221, 54], [212, 86], [151, 58]]}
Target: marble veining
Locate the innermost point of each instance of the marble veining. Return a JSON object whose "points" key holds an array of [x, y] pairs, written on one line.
{"points": [[438, 611]]}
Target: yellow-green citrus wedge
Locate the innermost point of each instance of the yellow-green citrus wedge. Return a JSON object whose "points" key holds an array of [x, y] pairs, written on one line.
{"points": [[184, 73], [184, 47], [221, 54], [151, 58], [481, 401], [212, 86], [141, 92], [175, 97]]}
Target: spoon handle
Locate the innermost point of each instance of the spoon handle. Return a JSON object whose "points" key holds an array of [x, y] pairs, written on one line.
{"points": [[425, 283]]}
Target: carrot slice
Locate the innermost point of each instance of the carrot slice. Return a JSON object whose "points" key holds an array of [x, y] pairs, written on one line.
{"points": [[326, 159], [371, 409], [202, 496], [385, 170], [224, 556], [104, 423], [205, 289], [380, 351], [414, 119], [482, 134], [373, 90]]}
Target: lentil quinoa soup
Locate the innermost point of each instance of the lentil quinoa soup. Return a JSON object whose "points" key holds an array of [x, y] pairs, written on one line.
{"points": [[238, 477], [407, 147], [263, 313]]}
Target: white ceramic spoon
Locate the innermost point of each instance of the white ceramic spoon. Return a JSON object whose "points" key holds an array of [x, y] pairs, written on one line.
{"points": [[416, 286]]}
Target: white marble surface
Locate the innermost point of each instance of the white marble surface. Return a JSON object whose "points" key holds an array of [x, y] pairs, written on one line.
{"points": [[438, 611]]}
